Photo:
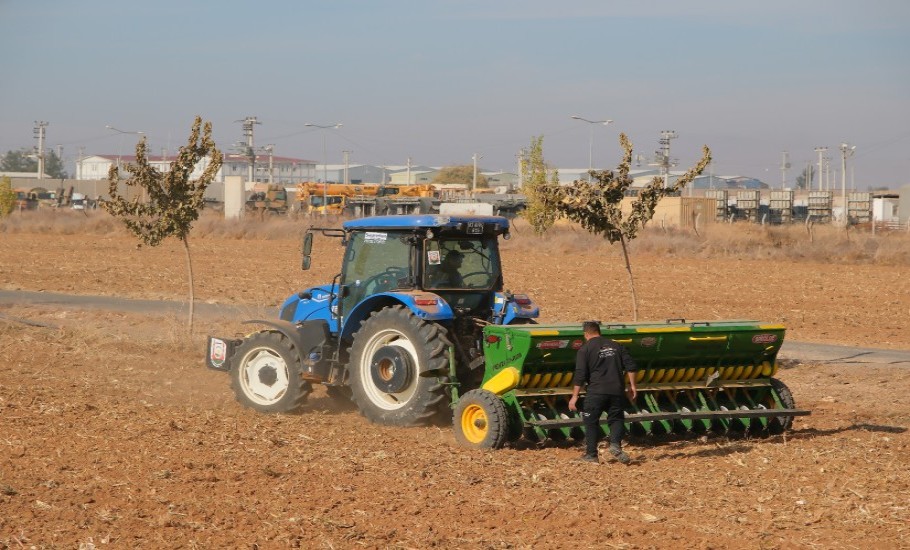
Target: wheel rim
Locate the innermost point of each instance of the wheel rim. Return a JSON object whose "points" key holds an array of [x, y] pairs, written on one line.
{"points": [[264, 376], [381, 399], [474, 423]]}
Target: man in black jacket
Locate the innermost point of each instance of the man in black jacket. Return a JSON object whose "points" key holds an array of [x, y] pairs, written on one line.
{"points": [[601, 363]]}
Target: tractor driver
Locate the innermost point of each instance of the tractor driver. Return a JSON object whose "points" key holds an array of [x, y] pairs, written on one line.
{"points": [[446, 275]]}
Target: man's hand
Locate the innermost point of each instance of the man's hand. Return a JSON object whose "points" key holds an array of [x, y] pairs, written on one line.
{"points": [[572, 402], [632, 390]]}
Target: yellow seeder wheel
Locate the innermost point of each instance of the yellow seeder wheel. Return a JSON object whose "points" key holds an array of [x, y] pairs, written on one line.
{"points": [[481, 420]]}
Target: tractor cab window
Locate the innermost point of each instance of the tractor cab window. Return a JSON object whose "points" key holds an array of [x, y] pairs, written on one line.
{"points": [[375, 262], [461, 264]]}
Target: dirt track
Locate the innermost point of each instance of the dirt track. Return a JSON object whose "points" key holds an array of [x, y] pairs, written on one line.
{"points": [[113, 434]]}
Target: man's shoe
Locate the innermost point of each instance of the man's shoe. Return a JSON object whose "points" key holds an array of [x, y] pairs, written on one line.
{"points": [[588, 458], [619, 455]]}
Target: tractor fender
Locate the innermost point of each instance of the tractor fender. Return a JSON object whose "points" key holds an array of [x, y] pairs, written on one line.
{"points": [[425, 305], [506, 307]]}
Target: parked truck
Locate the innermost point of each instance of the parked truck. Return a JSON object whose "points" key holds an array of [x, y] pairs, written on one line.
{"points": [[409, 341], [267, 198]]}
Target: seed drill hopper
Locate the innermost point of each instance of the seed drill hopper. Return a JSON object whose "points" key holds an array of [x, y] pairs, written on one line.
{"points": [[693, 377]]}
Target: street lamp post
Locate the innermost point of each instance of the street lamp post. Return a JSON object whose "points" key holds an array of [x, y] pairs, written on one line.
{"points": [[324, 161], [591, 141], [120, 147]]}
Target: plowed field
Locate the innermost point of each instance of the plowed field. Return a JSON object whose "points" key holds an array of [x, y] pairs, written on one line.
{"points": [[113, 434]]}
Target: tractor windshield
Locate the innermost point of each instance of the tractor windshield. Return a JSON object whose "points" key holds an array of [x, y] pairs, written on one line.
{"points": [[461, 263], [375, 262]]}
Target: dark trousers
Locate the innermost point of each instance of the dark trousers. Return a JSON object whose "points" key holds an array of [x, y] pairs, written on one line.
{"points": [[595, 405]]}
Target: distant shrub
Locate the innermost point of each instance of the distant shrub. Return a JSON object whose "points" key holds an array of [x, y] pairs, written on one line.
{"points": [[7, 197]]}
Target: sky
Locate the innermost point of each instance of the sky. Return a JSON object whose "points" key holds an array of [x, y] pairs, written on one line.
{"points": [[440, 81]]}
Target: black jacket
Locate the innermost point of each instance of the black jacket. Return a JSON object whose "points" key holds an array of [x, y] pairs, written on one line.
{"points": [[601, 363]]}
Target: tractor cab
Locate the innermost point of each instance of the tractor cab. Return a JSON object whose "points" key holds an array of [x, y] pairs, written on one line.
{"points": [[441, 266], [463, 269]]}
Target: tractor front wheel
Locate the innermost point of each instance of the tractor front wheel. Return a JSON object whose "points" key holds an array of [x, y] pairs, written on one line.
{"points": [[481, 420], [265, 374], [398, 368]]}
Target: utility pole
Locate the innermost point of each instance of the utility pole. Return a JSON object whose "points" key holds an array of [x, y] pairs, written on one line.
{"points": [[475, 157], [409, 170], [79, 163], [270, 150], [845, 149], [665, 137], [248, 124], [820, 151], [784, 166], [40, 134]]}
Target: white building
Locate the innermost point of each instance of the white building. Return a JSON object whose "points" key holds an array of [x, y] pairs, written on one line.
{"points": [[886, 208], [280, 170], [274, 169]]}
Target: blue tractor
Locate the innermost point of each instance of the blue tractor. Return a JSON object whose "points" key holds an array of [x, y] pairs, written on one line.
{"points": [[399, 331]]}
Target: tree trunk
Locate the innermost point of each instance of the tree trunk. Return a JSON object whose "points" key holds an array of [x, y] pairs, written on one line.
{"points": [[625, 255], [189, 270]]}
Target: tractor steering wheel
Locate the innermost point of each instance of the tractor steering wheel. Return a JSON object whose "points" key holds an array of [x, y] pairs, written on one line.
{"points": [[387, 280]]}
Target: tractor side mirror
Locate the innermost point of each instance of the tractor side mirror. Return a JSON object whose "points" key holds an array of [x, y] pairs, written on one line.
{"points": [[307, 248]]}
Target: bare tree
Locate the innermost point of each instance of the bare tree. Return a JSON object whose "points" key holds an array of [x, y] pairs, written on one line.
{"points": [[173, 199], [597, 205]]}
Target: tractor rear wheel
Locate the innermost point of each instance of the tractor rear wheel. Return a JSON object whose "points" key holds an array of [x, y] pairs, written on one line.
{"points": [[398, 368], [265, 374], [481, 420]]}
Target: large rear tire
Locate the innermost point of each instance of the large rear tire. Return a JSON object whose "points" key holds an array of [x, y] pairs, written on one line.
{"points": [[398, 368], [265, 374]]}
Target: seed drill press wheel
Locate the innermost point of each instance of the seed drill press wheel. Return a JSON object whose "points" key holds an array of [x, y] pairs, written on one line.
{"points": [[481, 420], [780, 424]]}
